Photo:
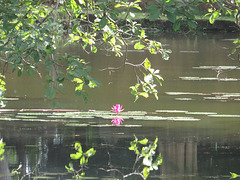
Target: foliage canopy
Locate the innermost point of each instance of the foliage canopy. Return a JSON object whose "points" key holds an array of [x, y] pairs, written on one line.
{"points": [[30, 29]]}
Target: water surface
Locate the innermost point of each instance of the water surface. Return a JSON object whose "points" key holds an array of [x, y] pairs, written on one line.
{"points": [[196, 117]]}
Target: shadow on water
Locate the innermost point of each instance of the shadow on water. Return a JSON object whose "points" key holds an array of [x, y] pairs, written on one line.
{"points": [[196, 117]]}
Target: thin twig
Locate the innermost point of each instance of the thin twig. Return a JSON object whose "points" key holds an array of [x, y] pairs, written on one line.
{"points": [[110, 170], [134, 173]]}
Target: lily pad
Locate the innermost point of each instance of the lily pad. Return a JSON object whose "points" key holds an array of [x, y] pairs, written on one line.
{"points": [[191, 78], [103, 125], [43, 177], [216, 67], [9, 99], [200, 113], [9, 119], [171, 111], [34, 113], [133, 125], [26, 117], [149, 118], [134, 113], [209, 79], [52, 174], [185, 93], [182, 119], [224, 115], [189, 52], [215, 98], [183, 99], [76, 125]]}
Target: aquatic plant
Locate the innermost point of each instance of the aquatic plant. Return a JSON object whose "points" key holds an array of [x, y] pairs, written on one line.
{"points": [[117, 108], [83, 160]]}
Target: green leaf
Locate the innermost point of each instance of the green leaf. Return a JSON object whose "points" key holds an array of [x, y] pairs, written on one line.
{"points": [[103, 22], [144, 94], [144, 141], [214, 16], [155, 12], [19, 72], [171, 16], [192, 24], [176, 26], [94, 49], [131, 148], [35, 56], [90, 152], [139, 46], [78, 147], [147, 63], [136, 98], [158, 161], [118, 5], [76, 156], [50, 93], [234, 175], [82, 160], [30, 72], [142, 35], [146, 172]]}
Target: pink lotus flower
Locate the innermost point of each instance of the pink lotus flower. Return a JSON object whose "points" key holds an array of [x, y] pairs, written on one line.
{"points": [[117, 121], [117, 108]]}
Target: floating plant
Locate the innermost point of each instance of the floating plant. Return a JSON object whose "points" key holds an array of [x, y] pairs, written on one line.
{"points": [[217, 67], [208, 79], [194, 52], [170, 111]]}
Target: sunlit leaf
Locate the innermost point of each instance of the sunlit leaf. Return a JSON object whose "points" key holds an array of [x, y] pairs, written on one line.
{"points": [[234, 175], [76, 156], [139, 46], [90, 152], [146, 172], [144, 141], [82, 160], [147, 63], [144, 94], [78, 147]]}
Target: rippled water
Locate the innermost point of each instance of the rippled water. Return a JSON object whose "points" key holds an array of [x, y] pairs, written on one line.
{"points": [[196, 117]]}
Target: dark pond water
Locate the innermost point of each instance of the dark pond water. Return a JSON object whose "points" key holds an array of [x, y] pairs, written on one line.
{"points": [[196, 118]]}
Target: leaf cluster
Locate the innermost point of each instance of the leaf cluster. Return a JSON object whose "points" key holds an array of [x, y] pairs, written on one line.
{"points": [[29, 30], [148, 82], [145, 151], [181, 13], [83, 160]]}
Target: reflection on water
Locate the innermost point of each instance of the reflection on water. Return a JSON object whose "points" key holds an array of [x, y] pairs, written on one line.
{"points": [[196, 117], [187, 152]]}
